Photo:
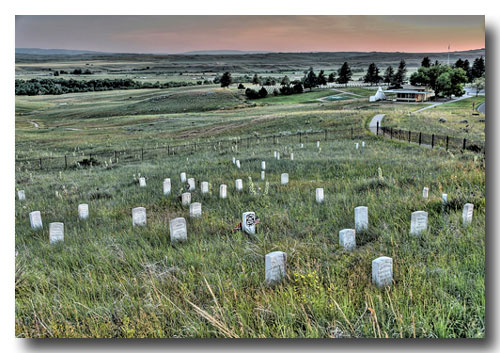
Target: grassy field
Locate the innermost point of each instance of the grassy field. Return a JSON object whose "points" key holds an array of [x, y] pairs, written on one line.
{"points": [[109, 279], [458, 115]]}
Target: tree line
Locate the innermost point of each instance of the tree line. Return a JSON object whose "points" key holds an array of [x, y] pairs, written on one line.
{"points": [[44, 86], [445, 80]]}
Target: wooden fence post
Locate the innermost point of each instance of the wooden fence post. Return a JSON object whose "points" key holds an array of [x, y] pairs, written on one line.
{"points": [[420, 138], [447, 141], [409, 136], [377, 127], [142, 153], [432, 141], [463, 147], [116, 160], [40, 163]]}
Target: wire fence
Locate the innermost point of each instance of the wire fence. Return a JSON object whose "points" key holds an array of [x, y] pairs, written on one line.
{"points": [[432, 140], [82, 160]]}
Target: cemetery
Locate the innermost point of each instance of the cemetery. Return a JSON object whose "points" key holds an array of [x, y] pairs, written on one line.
{"points": [[193, 211], [295, 248]]}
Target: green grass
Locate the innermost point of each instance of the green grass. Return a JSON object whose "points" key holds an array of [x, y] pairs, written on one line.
{"points": [[109, 279], [459, 120], [304, 98]]}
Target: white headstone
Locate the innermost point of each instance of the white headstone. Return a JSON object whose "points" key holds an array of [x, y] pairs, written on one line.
{"points": [[239, 185], [139, 216], [262, 175], [291, 156], [301, 145], [317, 144], [425, 193], [284, 179], [320, 197], [263, 165], [36, 220], [275, 154], [166, 186], [192, 185], [20, 195], [275, 267], [183, 177], [238, 165], [418, 222], [142, 182], [444, 199], [278, 156], [83, 211], [357, 145], [347, 239], [467, 214], [223, 191], [204, 187], [234, 160], [361, 218], [362, 143], [186, 198], [195, 210], [56, 232], [248, 223], [178, 230], [382, 272]]}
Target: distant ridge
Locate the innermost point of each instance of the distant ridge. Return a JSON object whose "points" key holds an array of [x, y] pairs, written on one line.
{"points": [[225, 52], [39, 51]]}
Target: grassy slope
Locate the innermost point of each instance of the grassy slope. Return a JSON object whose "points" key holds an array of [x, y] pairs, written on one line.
{"points": [[455, 113], [109, 279]]}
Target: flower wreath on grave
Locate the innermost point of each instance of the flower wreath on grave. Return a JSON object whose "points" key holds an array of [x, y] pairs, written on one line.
{"points": [[238, 227]]}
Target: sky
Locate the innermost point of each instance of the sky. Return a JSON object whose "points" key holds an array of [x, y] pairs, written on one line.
{"points": [[178, 34]]}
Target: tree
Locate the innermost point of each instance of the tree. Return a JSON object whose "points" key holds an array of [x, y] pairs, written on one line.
{"points": [[262, 92], [285, 81], [389, 73], [310, 80], [56, 73], [478, 84], [443, 79], [255, 79], [467, 69], [399, 78], [331, 77], [345, 74], [372, 75], [252, 94], [321, 78], [426, 62], [240, 86], [297, 87], [226, 79], [478, 68]]}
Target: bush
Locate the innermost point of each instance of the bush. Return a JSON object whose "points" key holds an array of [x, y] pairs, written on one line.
{"points": [[252, 94], [240, 86], [263, 93]]}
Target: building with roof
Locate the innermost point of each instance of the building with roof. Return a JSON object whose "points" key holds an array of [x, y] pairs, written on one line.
{"points": [[412, 94]]}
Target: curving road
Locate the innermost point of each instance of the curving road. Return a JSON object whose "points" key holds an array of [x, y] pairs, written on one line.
{"points": [[481, 108]]}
